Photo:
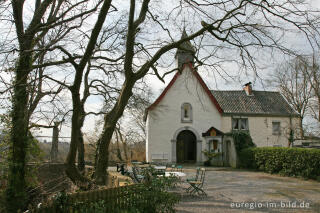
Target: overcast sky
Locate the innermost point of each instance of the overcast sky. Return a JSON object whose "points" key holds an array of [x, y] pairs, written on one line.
{"points": [[213, 80]]}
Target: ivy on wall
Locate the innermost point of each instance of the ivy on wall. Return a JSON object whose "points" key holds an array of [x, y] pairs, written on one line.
{"points": [[242, 139]]}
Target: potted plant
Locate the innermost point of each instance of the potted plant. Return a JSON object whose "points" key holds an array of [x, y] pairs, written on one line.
{"points": [[210, 156]]}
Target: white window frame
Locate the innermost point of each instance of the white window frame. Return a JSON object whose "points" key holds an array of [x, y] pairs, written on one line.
{"points": [[239, 123]]}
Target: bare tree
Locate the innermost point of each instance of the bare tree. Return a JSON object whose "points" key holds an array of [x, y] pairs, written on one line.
{"points": [[235, 32], [292, 81], [314, 78], [131, 131], [242, 27], [31, 27], [55, 142], [93, 85], [309, 69]]}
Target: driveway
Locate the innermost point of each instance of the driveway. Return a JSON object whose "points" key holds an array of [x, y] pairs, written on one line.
{"points": [[231, 190]]}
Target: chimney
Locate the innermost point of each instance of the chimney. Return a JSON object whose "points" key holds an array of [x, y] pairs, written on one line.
{"points": [[248, 88]]}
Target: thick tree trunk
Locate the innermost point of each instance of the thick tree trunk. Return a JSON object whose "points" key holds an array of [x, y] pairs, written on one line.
{"points": [[119, 152], [110, 121], [71, 170], [55, 142], [319, 108], [81, 162], [81, 150], [96, 159], [124, 145], [125, 148], [118, 137], [301, 129], [16, 190]]}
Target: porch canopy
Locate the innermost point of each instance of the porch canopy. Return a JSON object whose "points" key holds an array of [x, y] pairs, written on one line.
{"points": [[212, 131]]}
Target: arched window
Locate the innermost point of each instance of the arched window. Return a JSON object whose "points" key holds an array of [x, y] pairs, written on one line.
{"points": [[186, 113]]}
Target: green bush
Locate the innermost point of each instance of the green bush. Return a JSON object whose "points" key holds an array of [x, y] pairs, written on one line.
{"points": [[154, 190], [242, 139], [246, 157], [286, 161], [210, 155]]}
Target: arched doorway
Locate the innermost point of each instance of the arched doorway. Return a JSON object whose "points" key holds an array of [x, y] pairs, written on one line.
{"points": [[186, 147]]}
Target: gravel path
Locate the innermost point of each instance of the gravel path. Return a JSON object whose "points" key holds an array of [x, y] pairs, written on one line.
{"points": [[231, 190]]}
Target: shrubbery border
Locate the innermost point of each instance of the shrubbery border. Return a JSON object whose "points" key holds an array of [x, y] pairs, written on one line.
{"points": [[299, 162]]}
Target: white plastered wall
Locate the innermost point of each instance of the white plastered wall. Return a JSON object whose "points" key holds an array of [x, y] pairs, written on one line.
{"points": [[260, 129], [164, 121]]}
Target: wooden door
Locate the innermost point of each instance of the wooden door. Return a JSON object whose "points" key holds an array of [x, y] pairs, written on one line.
{"points": [[186, 147], [180, 151]]}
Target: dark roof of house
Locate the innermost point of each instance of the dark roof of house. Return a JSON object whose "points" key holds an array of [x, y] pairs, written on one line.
{"points": [[260, 103]]}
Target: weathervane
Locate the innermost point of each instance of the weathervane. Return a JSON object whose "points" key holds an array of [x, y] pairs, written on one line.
{"points": [[184, 22]]}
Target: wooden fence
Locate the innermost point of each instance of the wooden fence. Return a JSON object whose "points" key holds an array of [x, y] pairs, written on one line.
{"points": [[119, 199]]}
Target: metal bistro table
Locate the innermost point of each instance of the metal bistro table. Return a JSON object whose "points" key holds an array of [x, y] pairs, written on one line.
{"points": [[160, 170], [143, 166], [176, 174], [160, 167]]}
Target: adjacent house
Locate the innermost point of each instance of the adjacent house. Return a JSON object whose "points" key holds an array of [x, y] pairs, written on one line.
{"points": [[188, 118]]}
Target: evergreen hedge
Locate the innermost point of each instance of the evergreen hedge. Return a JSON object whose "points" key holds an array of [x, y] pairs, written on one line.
{"points": [[285, 161]]}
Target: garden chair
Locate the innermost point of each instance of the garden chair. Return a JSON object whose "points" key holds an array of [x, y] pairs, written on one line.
{"points": [[195, 178], [196, 187], [179, 168]]}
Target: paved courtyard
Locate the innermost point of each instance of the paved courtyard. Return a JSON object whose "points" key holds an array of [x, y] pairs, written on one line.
{"points": [[231, 190]]}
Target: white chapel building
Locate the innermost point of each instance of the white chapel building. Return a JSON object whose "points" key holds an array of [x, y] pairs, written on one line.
{"points": [[188, 118]]}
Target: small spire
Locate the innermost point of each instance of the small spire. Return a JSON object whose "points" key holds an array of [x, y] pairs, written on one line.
{"points": [[185, 52], [184, 33], [186, 46]]}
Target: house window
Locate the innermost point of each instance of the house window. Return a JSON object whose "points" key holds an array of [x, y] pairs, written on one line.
{"points": [[240, 124], [186, 113], [276, 128], [213, 146]]}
